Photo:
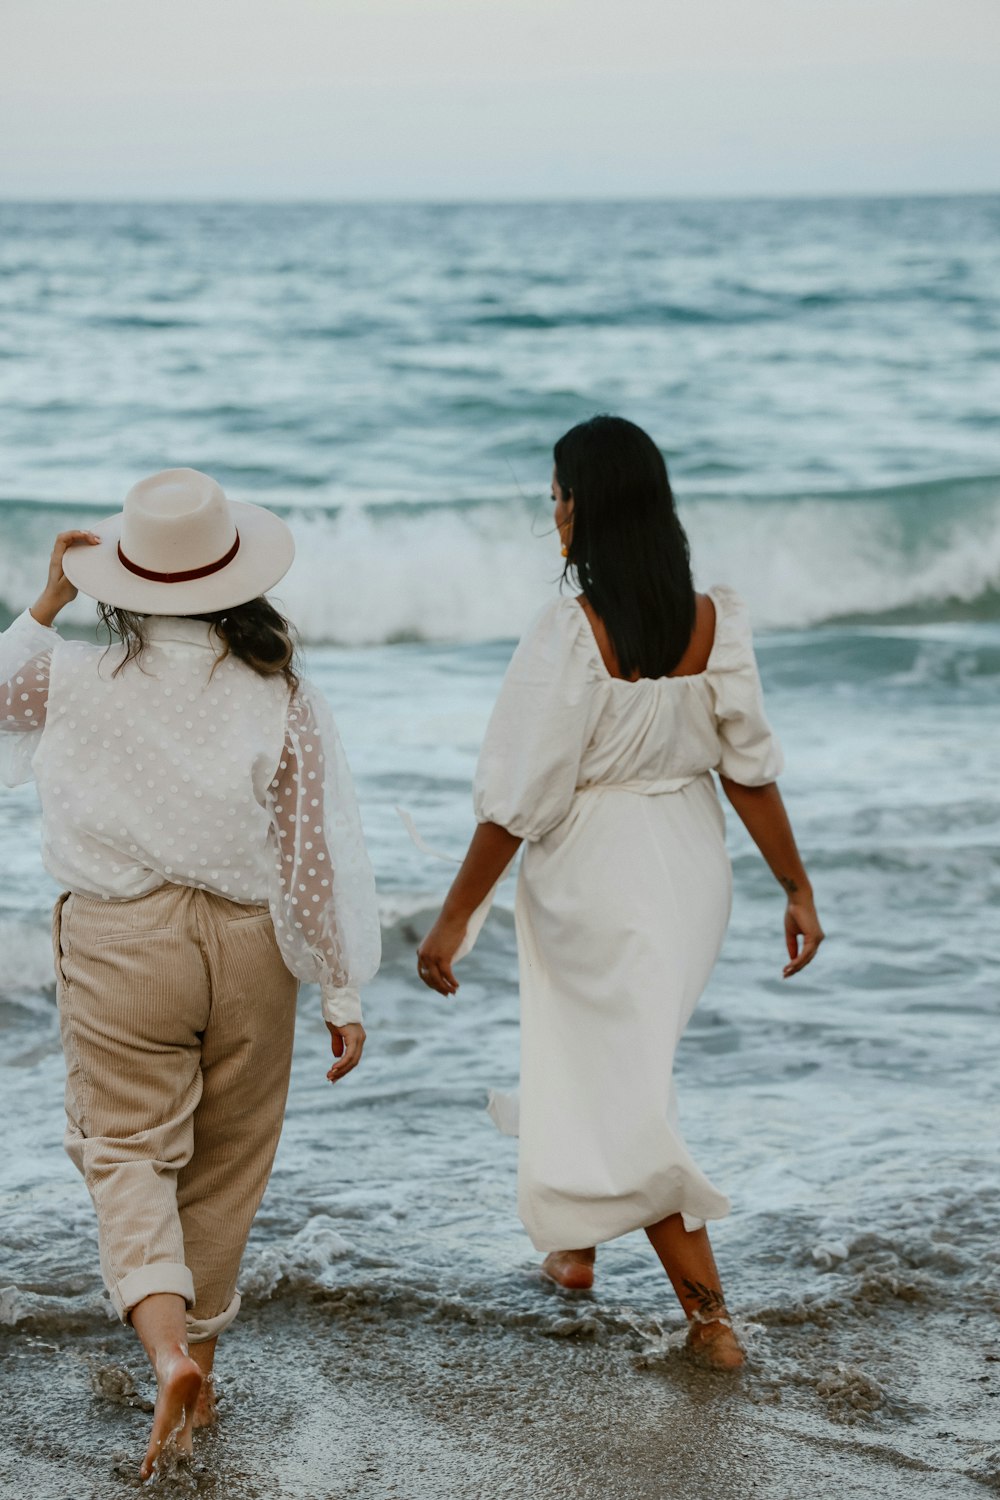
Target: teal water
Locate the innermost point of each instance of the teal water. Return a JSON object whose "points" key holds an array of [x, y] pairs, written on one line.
{"points": [[825, 380]]}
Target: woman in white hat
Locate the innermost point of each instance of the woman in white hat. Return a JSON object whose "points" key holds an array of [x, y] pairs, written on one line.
{"points": [[199, 814]]}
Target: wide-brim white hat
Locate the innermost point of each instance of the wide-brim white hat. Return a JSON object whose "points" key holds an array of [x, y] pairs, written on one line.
{"points": [[180, 546]]}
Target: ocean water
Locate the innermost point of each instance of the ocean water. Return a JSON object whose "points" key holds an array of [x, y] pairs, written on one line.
{"points": [[824, 378]]}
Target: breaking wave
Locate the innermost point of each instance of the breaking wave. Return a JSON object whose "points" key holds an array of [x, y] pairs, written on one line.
{"points": [[477, 569], [471, 570]]}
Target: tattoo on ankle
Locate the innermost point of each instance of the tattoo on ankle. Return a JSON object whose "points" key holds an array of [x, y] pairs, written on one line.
{"points": [[790, 886], [710, 1300]]}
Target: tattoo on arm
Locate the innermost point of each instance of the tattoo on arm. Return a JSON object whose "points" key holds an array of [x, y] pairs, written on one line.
{"points": [[710, 1300], [791, 886]]}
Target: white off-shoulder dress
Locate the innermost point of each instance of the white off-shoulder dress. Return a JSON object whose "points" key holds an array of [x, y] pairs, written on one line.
{"points": [[623, 899]]}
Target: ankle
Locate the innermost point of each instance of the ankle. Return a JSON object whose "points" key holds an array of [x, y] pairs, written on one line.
{"points": [[168, 1357], [719, 1319]]}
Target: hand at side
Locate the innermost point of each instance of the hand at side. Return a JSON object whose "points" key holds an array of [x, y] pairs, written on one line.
{"points": [[347, 1043], [763, 814], [802, 922], [490, 852]]}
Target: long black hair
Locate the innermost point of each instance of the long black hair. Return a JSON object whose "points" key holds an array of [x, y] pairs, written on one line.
{"points": [[255, 633], [628, 548]]}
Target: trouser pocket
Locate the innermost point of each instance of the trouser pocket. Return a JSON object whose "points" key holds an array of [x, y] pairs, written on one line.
{"points": [[60, 937]]}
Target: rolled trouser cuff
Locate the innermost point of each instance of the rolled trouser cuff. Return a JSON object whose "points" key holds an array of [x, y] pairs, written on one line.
{"points": [[200, 1329], [148, 1281]]}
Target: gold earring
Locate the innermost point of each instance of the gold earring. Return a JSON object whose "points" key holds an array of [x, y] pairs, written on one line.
{"points": [[565, 550]]}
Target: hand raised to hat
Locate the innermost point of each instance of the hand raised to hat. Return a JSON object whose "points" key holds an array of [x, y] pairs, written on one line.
{"points": [[58, 590]]}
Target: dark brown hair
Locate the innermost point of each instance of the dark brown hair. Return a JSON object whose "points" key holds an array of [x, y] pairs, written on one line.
{"points": [[628, 549], [255, 633]]}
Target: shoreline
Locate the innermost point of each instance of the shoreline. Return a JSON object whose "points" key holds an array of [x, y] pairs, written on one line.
{"points": [[326, 1400]]}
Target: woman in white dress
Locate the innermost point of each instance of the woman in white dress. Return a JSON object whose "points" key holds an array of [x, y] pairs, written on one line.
{"points": [[198, 813], [617, 706]]}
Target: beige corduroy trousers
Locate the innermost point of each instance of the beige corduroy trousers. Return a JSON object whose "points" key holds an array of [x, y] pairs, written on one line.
{"points": [[177, 1017]]}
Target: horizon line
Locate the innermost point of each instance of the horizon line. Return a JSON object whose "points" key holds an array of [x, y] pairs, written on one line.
{"points": [[497, 201]]}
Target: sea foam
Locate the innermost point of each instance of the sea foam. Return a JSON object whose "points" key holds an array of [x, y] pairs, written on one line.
{"points": [[473, 570]]}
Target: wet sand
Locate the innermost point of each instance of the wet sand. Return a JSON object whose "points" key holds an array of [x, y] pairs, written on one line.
{"points": [[329, 1399]]}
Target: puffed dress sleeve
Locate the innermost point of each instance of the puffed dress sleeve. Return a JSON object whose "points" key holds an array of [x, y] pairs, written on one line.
{"points": [[322, 894], [25, 659], [549, 703], [749, 750]]}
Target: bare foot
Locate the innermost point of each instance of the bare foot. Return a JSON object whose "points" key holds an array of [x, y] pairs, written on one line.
{"points": [[715, 1344], [572, 1269], [206, 1411], [178, 1381]]}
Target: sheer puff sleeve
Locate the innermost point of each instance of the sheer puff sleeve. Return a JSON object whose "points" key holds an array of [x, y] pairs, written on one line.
{"points": [[549, 704], [322, 895], [750, 752], [25, 658]]}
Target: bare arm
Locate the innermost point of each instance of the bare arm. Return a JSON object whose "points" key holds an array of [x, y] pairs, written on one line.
{"points": [[490, 852], [24, 659], [763, 815]]}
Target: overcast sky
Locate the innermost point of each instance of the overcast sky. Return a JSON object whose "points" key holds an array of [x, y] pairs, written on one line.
{"points": [[496, 98]]}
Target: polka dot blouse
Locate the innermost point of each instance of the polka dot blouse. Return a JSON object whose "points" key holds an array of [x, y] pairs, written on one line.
{"points": [[181, 768]]}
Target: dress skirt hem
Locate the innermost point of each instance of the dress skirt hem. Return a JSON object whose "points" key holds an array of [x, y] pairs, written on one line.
{"points": [[620, 915], [579, 1231]]}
